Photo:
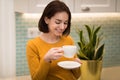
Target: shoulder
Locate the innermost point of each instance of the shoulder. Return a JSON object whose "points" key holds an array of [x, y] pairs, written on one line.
{"points": [[32, 41], [68, 39]]}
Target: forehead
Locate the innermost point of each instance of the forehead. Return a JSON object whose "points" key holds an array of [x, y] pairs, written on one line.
{"points": [[61, 16]]}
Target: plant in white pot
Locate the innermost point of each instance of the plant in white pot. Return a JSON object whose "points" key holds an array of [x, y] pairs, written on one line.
{"points": [[90, 53]]}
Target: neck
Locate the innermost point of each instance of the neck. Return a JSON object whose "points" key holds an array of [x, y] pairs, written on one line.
{"points": [[49, 38]]}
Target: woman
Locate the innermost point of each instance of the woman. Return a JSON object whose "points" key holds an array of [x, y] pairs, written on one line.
{"points": [[44, 52]]}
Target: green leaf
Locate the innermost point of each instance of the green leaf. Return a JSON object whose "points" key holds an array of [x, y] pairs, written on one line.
{"points": [[99, 52], [81, 36], [79, 44], [95, 36], [89, 31], [82, 56]]}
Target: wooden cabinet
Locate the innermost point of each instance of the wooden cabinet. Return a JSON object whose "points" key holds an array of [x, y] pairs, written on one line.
{"points": [[30, 6], [70, 4], [37, 6], [76, 6], [21, 6], [118, 6], [82, 6]]}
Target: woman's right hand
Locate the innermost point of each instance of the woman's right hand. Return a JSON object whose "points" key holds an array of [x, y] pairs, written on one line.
{"points": [[53, 54]]}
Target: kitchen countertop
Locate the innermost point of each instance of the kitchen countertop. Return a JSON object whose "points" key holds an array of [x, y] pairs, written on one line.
{"points": [[111, 73]]}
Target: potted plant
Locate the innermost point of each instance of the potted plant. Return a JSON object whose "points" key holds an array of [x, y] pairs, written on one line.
{"points": [[90, 52]]}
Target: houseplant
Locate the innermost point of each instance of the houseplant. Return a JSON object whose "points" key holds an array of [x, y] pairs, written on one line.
{"points": [[90, 53]]}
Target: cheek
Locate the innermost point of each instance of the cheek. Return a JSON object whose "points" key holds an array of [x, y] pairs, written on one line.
{"points": [[66, 27], [51, 26]]}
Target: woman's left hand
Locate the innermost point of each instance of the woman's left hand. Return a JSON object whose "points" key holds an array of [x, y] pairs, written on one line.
{"points": [[78, 60]]}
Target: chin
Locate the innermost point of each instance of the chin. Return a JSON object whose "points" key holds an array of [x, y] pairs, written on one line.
{"points": [[58, 34]]}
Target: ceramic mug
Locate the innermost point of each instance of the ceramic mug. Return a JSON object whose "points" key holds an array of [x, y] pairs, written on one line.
{"points": [[69, 50]]}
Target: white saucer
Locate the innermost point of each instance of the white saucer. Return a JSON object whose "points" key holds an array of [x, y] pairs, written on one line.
{"points": [[69, 64]]}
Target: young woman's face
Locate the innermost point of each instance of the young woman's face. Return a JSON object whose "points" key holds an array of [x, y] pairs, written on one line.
{"points": [[57, 24]]}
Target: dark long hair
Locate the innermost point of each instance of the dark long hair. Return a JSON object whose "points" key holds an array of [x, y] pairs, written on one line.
{"points": [[50, 10]]}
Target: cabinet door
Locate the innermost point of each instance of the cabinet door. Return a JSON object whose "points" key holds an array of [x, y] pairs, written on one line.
{"points": [[118, 6], [70, 4], [94, 6], [37, 6], [21, 6]]}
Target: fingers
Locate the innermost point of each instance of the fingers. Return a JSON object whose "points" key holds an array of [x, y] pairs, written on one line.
{"points": [[56, 56], [78, 60], [53, 54], [57, 50]]}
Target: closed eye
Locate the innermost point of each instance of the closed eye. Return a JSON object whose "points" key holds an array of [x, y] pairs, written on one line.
{"points": [[57, 22], [66, 23]]}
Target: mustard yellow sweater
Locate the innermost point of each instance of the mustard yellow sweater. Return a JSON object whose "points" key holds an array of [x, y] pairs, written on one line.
{"points": [[41, 70]]}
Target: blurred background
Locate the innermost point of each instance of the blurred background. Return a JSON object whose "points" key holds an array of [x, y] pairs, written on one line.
{"points": [[19, 21]]}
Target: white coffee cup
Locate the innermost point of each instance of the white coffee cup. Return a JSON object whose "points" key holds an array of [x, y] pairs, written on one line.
{"points": [[69, 50]]}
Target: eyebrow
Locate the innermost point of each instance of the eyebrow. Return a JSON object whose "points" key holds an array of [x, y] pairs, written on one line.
{"points": [[61, 20]]}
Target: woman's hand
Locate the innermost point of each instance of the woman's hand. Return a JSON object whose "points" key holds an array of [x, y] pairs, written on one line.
{"points": [[53, 54], [78, 60]]}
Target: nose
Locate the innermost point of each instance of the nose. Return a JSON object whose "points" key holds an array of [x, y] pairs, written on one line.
{"points": [[62, 26]]}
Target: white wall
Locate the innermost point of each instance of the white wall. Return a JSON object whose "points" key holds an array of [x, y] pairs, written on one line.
{"points": [[7, 39]]}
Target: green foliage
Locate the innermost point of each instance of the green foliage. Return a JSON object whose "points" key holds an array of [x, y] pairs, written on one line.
{"points": [[90, 49]]}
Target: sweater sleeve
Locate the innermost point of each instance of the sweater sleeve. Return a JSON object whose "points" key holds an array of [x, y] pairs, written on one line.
{"points": [[38, 67]]}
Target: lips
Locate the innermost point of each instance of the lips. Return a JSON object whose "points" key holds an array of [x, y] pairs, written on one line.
{"points": [[59, 31]]}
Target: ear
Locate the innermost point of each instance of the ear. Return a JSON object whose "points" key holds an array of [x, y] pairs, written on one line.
{"points": [[46, 20]]}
